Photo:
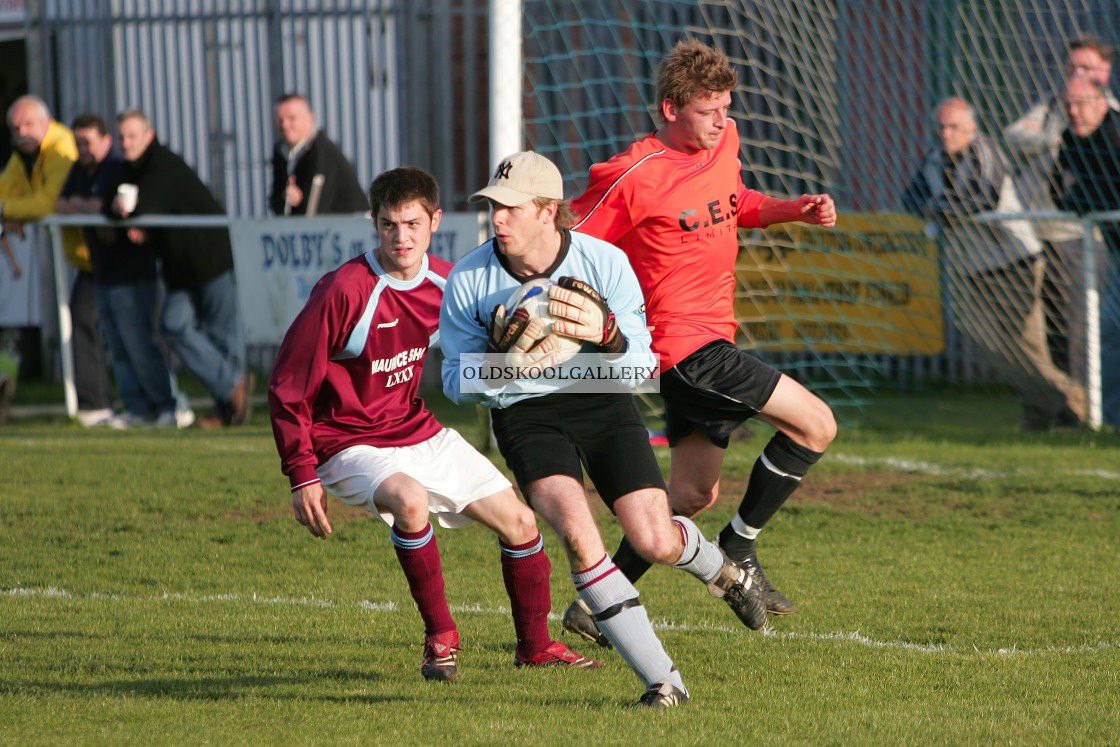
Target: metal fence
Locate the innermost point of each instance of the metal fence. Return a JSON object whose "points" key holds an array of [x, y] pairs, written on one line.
{"points": [[392, 81]]}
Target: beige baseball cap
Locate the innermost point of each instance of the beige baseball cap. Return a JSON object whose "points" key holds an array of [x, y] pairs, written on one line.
{"points": [[520, 178]]}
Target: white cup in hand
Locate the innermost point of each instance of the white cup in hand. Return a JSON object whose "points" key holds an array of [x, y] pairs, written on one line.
{"points": [[128, 194]]}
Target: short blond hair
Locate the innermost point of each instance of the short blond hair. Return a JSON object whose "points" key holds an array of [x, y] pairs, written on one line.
{"points": [[565, 216], [693, 69]]}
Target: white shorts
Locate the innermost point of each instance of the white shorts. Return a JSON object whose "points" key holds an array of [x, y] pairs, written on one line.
{"points": [[452, 471]]}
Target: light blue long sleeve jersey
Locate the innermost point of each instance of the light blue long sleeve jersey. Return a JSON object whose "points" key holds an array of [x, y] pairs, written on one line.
{"points": [[480, 281]]}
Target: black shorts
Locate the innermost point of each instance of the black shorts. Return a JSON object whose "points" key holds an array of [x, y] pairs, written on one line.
{"points": [[563, 434], [715, 390]]}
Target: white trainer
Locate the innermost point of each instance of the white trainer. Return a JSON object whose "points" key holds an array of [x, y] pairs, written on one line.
{"points": [[182, 418], [95, 418]]}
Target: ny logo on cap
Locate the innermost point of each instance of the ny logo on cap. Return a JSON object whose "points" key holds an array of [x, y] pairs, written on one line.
{"points": [[503, 170]]}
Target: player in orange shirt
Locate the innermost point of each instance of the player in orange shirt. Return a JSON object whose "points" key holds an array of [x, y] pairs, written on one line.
{"points": [[673, 202]]}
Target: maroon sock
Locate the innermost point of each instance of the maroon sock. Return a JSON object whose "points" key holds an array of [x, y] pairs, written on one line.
{"points": [[526, 570], [419, 558]]}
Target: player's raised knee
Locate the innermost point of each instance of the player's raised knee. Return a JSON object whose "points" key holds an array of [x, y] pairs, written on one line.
{"points": [[657, 547], [409, 508], [825, 430], [689, 500], [523, 525]]}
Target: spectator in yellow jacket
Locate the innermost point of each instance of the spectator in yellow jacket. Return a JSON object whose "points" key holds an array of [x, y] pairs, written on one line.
{"points": [[45, 152], [32, 180], [30, 185]]}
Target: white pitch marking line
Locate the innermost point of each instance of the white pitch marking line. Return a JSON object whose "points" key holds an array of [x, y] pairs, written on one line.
{"points": [[856, 637], [929, 468]]}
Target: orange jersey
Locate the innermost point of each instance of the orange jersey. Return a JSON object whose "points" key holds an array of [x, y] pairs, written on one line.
{"points": [[676, 216]]}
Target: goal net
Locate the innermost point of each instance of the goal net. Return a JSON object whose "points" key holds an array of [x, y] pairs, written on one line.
{"points": [[841, 97]]}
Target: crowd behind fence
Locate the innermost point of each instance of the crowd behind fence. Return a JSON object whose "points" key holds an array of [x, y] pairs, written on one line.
{"points": [[956, 362]]}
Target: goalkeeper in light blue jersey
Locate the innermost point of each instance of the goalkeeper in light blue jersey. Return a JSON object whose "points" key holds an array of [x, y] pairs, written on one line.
{"points": [[485, 278], [550, 431]]}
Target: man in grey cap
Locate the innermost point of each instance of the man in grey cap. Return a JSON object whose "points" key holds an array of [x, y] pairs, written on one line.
{"points": [[549, 434]]}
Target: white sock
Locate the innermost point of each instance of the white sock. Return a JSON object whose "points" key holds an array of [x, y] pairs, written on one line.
{"points": [[625, 623], [701, 558]]}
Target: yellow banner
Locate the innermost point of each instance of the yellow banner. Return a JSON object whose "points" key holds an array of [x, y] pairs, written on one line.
{"points": [[870, 285]]}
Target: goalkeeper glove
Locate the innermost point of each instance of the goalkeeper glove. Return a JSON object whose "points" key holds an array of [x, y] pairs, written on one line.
{"points": [[525, 341], [580, 312]]}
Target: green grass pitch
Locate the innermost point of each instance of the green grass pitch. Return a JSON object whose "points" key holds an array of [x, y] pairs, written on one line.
{"points": [[956, 582]]}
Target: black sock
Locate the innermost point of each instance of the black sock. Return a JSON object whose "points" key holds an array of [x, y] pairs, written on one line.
{"points": [[734, 544], [776, 474], [632, 565]]}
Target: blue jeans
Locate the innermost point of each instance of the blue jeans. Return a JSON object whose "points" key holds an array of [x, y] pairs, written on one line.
{"points": [[1110, 338], [202, 326], [144, 380]]}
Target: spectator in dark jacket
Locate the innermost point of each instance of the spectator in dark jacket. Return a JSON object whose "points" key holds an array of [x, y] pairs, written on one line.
{"points": [[1087, 179], [123, 289], [200, 320], [305, 156]]}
